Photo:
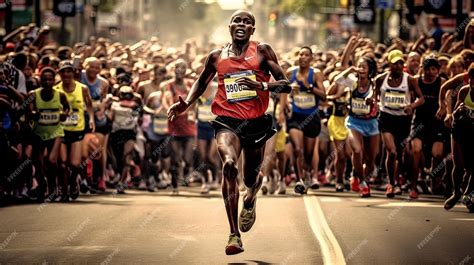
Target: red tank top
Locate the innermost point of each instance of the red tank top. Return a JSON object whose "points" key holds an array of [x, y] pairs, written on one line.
{"points": [[231, 100], [182, 125]]}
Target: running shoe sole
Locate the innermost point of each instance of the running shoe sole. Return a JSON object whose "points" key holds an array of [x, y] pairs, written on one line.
{"points": [[233, 249]]}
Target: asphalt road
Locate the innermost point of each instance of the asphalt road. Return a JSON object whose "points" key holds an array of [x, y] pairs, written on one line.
{"points": [[155, 228]]}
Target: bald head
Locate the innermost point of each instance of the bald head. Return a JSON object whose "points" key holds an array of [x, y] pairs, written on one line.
{"points": [[242, 11], [413, 63]]}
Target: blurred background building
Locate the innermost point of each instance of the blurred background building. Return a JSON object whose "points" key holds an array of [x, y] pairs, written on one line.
{"points": [[284, 23]]}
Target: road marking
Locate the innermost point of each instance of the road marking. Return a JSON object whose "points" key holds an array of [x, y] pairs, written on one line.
{"points": [[369, 200], [329, 199], [462, 219], [332, 253], [411, 204]]}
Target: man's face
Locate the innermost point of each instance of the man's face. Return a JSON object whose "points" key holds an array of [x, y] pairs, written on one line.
{"points": [[305, 57], [397, 67], [180, 70], [67, 75], [413, 63], [28, 71], [241, 27], [159, 75], [93, 68], [431, 72], [47, 80], [3, 76]]}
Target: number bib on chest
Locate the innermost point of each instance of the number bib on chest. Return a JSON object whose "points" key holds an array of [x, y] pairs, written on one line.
{"points": [[359, 107], [72, 120], [304, 100], [160, 125], [395, 100], [236, 93], [205, 114], [49, 117]]}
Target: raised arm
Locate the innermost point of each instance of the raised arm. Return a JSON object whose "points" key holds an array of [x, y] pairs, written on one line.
{"points": [[348, 50]]}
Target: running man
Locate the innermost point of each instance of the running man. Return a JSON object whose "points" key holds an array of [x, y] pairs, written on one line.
{"points": [[183, 129], [428, 133], [396, 108], [47, 110], [78, 98], [304, 124], [98, 89], [243, 69]]}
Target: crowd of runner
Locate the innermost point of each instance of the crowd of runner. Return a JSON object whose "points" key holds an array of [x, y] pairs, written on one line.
{"points": [[396, 116]]}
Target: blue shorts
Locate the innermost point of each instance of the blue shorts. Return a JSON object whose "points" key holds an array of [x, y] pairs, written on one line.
{"points": [[205, 131], [367, 128]]}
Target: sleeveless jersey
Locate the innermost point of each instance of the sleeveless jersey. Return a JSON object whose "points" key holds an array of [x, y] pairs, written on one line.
{"points": [[94, 88], [159, 121], [183, 125], [358, 107], [75, 122], [232, 100], [394, 99], [430, 92], [304, 101], [48, 126]]}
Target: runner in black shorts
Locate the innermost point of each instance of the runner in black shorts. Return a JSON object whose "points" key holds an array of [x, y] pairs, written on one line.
{"points": [[71, 149], [243, 69], [396, 107], [304, 124], [428, 133], [46, 111]]}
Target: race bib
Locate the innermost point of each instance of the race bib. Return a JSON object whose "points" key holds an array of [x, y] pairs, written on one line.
{"points": [[160, 125], [236, 93], [72, 120], [205, 114], [395, 100], [304, 100], [49, 117], [359, 107]]}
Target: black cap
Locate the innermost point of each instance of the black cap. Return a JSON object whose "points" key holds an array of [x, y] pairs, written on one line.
{"points": [[65, 64], [431, 62]]}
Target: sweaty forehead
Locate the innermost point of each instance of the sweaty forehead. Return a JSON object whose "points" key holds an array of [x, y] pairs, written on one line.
{"points": [[243, 14]]}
